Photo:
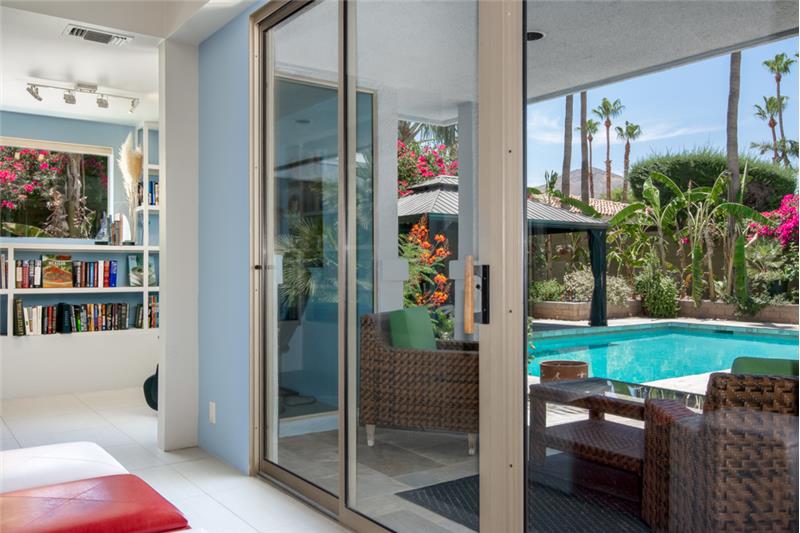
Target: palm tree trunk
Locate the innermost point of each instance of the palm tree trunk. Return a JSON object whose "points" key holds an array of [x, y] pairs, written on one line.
{"points": [[712, 293], [567, 161], [774, 143], [732, 148], [626, 164], [591, 168], [608, 158], [784, 157], [584, 153]]}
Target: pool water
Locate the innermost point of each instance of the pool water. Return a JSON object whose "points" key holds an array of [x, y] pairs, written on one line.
{"points": [[647, 354]]}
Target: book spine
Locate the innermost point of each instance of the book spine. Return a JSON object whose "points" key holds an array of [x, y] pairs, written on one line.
{"points": [[107, 274], [18, 274], [26, 274], [101, 273], [112, 276], [37, 273], [19, 318]]}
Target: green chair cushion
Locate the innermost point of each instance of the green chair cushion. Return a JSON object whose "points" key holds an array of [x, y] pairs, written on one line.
{"points": [[412, 328], [760, 366]]}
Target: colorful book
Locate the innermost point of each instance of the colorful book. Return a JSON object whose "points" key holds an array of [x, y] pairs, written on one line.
{"points": [[56, 271]]}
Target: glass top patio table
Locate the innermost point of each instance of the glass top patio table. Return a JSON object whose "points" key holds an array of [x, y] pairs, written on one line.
{"points": [[595, 392]]}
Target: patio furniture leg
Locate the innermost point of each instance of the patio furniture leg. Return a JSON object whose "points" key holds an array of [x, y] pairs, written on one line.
{"points": [[538, 450], [370, 434], [472, 440]]}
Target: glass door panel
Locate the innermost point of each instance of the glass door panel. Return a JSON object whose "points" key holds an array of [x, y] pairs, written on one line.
{"points": [[632, 420], [301, 370], [412, 458]]}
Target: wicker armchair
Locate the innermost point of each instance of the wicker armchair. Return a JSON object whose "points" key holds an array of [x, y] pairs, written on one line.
{"points": [[416, 389], [732, 468]]}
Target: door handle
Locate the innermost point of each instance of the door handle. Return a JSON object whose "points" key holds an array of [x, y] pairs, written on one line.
{"points": [[476, 286], [469, 296]]}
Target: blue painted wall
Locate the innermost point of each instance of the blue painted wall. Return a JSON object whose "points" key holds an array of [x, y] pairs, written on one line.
{"points": [[67, 130], [224, 368]]}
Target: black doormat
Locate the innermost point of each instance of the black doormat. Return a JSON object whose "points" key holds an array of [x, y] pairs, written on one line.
{"points": [[548, 509]]}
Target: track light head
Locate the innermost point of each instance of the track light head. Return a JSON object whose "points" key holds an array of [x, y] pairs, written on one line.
{"points": [[102, 101], [33, 90], [69, 97], [134, 103]]}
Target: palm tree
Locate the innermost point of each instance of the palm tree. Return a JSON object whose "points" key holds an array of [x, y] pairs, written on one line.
{"points": [[567, 161], [605, 112], [732, 155], [591, 129], [781, 64], [768, 113], [584, 152], [629, 133], [424, 133]]}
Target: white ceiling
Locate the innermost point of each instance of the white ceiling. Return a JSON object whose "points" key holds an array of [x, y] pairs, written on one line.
{"points": [[32, 48]]}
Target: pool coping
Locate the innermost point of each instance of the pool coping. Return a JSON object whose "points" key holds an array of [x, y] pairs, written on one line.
{"points": [[667, 324]]}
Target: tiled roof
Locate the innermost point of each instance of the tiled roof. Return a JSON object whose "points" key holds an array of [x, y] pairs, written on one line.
{"points": [[606, 208], [441, 198]]}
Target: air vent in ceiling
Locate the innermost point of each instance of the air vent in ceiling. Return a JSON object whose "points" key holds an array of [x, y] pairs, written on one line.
{"points": [[95, 36]]}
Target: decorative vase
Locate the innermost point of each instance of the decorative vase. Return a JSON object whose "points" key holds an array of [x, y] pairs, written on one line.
{"points": [[563, 370]]}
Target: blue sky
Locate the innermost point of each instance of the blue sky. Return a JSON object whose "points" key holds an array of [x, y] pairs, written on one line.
{"points": [[677, 109]]}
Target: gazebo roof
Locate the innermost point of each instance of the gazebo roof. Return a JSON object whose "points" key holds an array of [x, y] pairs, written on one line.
{"points": [[439, 196]]}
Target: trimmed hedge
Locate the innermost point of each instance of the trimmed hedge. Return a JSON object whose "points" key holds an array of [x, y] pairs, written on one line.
{"points": [[766, 183]]}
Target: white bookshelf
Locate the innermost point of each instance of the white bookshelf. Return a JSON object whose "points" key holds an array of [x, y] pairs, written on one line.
{"points": [[14, 250]]}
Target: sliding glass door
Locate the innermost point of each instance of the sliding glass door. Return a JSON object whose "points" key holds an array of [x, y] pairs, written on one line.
{"points": [[377, 261], [301, 184]]}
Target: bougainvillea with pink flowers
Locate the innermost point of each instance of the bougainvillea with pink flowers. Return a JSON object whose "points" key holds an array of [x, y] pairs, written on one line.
{"points": [[417, 163], [25, 174], [786, 221], [33, 192]]}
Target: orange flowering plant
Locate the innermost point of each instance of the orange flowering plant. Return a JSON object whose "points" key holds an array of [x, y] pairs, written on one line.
{"points": [[427, 283]]}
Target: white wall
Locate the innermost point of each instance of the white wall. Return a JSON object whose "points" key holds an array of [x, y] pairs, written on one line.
{"points": [[178, 147]]}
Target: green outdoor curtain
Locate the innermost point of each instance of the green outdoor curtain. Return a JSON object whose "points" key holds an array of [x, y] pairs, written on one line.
{"points": [[597, 252]]}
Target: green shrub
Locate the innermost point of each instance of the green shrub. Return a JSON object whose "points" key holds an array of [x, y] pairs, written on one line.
{"points": [[618, 291], [546, 291], [659, 292], [766, 183], [579, 286]]}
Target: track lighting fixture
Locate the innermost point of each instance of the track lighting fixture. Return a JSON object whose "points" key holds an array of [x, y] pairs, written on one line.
{"points": [[69, 94], [33, 90]]}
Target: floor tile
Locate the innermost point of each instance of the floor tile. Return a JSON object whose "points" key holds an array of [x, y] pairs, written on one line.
{"points": [[9, 444], [133, 456], [168, 482], [44, 425], [104, 436], [48, 406], [211, 475], [177, 456], [263, 506], [208, 515]]}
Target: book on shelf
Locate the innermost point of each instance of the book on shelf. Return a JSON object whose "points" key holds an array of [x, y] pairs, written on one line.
{"points": [[70, 318], [56, 271], [153, 312], [52, 273], [153, 193], [136, 271], [3, 271]]}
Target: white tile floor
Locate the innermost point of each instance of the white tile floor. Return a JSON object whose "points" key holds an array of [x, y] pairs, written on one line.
{"points": [[214, 496]]}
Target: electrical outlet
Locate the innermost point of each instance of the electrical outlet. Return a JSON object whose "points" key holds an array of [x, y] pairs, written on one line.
{"points": [[212, 412]]}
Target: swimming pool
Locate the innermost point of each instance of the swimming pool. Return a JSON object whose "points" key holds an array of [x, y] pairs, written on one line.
{"points": [[648, 352]]}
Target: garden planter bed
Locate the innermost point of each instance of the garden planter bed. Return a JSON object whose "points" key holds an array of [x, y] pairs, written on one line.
{"points": [[784, 314], [581, 310]]}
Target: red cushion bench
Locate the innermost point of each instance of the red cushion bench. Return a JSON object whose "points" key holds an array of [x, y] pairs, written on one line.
{"points": [[119, 503]]}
